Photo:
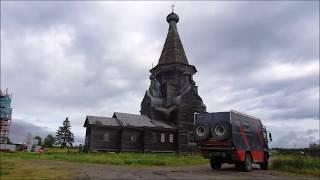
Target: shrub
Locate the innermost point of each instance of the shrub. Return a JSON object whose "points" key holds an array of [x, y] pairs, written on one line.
{"points": [[298, 164]]}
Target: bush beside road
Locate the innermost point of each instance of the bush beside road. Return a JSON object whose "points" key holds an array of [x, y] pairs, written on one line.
{"points": [[297, 164]]}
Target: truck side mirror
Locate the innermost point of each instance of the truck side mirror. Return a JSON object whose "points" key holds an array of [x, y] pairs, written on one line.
{"points": [[270, 137]]}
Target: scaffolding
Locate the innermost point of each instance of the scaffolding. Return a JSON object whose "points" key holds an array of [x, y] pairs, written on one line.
{"points": [[5, 115]]}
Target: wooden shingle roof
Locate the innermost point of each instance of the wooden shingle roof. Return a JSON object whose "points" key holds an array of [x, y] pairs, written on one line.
{"points": [[163, 124], [127, 120], [173, 51], [133, 120], [99, 120]]}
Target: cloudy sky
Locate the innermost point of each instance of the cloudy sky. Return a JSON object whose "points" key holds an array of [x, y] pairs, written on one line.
{"points": [[74, 59]]}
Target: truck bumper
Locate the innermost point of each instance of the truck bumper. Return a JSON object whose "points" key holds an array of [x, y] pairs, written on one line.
{"points": [[221, 151]]}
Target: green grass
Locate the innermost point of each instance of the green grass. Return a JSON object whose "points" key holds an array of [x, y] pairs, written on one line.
{"points": [[17, 165], [132, 159], [304, 165], [15, 168]]}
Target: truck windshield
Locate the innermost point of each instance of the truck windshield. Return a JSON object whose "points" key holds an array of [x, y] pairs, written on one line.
{"points": [[265, 135]]}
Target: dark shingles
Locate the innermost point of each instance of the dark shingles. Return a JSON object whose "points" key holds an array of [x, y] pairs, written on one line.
{"points": [[99, 120], [163, 124], [134, 120], [129, 120]]}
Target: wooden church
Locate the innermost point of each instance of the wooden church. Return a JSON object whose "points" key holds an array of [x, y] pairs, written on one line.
{"points": [[165, 123]]}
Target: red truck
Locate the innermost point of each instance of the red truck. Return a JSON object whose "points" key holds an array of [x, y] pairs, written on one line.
{"points": [[232, 137]]}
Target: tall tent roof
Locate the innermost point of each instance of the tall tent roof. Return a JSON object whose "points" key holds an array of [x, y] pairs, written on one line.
{"points": [[173, 51]]}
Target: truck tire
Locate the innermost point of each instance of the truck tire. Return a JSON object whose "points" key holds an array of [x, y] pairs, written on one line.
{"points": [[265, 163], [215, 163], [237, 165], [202, 132], [221, 130], [247, 164]]}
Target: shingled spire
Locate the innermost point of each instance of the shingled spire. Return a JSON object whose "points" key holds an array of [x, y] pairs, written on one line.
{"points": [[173, 51], [173, 95]]}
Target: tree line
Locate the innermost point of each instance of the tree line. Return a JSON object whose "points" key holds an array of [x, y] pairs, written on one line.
{"points": [[64, 137]]}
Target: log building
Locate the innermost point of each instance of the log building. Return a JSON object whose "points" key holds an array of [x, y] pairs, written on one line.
{"points": [[167, 108], [129, 132]]}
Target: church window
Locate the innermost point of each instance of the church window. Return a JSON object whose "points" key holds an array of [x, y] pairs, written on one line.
{"points": [[190, 137], [163, 137], [154, 137], [106, 137], [171, 138], [133, 138]]}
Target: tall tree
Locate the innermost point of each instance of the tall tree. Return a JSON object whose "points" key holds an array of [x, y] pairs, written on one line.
{"points": [[64, 136], [39, 140], [49, 141]]}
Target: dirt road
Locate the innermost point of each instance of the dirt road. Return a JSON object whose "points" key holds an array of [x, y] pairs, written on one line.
{"points": [[86, 171], [168, 173]]}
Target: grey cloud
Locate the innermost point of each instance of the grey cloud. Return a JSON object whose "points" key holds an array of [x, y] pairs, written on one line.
{"points": [[91, 41], [251, 33], [40, 15], [295, 139], [235, 44], [19, 130], [312, 131]]}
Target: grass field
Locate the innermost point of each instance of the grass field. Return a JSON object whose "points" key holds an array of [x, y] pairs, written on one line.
{"points": [[17, 164], [296, 164], [133, 159], [24, 165], [23, 169]]}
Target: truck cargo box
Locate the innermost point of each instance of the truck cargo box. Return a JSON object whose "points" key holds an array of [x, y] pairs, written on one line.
{"points": [[231, 136]]}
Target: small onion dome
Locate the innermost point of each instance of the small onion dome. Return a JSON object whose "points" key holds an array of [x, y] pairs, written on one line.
{"points": [[172, 17]]}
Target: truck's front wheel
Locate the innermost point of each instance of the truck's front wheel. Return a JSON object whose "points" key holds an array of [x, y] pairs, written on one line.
{"points": [[215, 162], [237, 165], [247, 164]]}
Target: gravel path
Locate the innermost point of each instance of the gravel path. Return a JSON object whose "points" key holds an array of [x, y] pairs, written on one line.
{"points": [[185, 173], [85, 171]]}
